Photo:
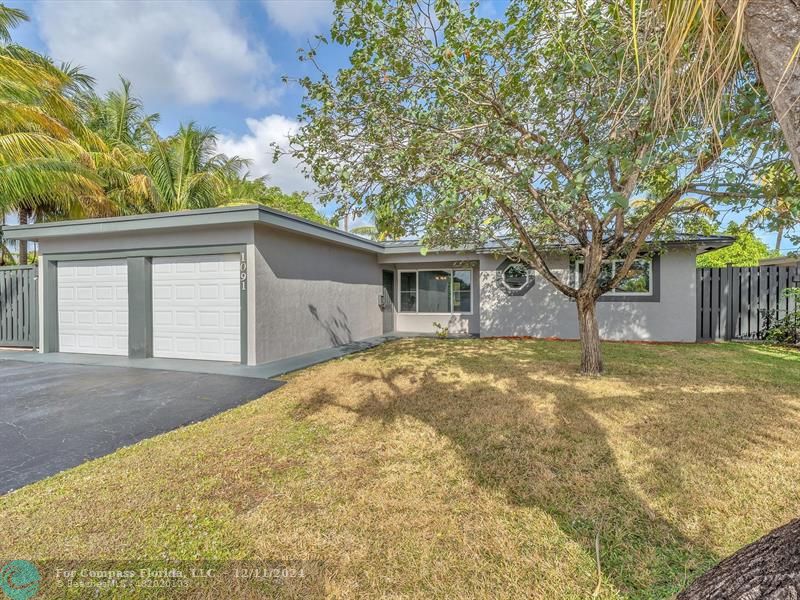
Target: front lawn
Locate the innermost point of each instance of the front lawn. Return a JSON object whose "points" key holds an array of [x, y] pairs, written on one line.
{"points": [[456, 468]]}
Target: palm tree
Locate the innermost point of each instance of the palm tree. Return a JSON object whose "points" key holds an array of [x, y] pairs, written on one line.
{"points": [[701, 49], [367, 231], [185, 171], [780, 208], [47, 155], [243, 189], [119, 117]]}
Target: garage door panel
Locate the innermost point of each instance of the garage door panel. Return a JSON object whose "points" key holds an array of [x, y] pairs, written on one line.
{"points": [[232, 320], [162, 292], [231, 346], [185, 319], [93, 306], [196, 307], [184, 292], [162, 344], [209, 319]]}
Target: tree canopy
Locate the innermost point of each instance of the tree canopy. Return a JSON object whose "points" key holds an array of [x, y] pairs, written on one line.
{"points": [[535, 130], [67, 152], [745, 252]]}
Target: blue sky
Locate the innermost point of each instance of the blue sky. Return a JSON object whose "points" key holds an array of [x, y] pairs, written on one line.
{"points": [[218, 63]]}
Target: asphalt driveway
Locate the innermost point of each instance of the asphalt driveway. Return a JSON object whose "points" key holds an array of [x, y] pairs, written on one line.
{"points": [[57, 416]]}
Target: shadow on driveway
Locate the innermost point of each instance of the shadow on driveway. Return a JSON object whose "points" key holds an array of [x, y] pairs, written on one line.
{"points": [[57, 416]]}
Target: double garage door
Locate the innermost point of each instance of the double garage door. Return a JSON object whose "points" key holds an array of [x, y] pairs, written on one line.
{"points": [[196, 307]]}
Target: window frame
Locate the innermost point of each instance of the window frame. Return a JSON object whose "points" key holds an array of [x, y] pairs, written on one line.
{"points": [[650, 293], [451, 271], [528, 276]]}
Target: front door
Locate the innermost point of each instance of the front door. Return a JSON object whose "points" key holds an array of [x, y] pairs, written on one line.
{"points": [[388, 301]]}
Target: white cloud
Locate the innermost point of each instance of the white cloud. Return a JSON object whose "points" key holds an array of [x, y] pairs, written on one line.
{"points": [[183, 52], [300, 16], [256, 145]]}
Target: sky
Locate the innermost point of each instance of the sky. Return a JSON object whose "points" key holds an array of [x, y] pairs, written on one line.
{"points": [[218, 63]]}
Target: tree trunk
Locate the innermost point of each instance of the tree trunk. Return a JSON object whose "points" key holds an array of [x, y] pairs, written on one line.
{"points": [[591, 361], [23, 244], [779, 238], [767, 569], [771, 34]]}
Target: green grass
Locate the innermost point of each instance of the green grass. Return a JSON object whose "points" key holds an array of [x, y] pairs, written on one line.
{"points": [[456, 468]]}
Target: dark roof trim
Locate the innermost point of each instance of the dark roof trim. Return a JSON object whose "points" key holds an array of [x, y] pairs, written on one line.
{"points": [[704, 243]]}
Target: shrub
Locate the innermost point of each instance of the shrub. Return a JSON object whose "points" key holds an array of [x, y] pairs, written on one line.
{"points": [[784, 329], [441, 330]]}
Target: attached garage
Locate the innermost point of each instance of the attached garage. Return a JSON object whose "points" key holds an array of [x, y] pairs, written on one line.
{"points": [[196, 307], [93, 307], [242, 284]]}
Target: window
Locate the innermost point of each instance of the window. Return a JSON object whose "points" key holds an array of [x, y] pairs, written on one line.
{"points": [[462, 291], [638, 281], [408, 291], [433, 289], [515, 276], [439, 291]]}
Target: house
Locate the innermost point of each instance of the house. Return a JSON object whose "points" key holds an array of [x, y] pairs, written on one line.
{"points": [[253, 285]]}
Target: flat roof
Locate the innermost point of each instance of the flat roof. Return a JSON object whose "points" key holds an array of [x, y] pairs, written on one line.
{"points": [[205, 217], [258, 213]]}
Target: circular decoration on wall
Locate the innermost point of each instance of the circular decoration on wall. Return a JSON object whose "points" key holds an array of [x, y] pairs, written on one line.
{"points": [[514, 278]]}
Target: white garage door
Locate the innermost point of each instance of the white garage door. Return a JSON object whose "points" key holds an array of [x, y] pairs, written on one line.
{"points": [[93, 306], [196, 302]]}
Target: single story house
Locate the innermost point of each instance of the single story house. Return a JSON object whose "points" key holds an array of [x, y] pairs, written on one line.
{"points": [[253, 285]]}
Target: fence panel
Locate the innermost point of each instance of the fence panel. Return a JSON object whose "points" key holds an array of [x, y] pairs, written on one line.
{"points": [[735, 302], [18, 307]]}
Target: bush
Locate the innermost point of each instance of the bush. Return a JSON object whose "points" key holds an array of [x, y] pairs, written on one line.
{"points": [[784, 329], [441, 330]]}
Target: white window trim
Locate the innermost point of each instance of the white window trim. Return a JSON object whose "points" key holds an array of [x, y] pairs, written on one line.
{"points": [[416, 288], [613, 262]]}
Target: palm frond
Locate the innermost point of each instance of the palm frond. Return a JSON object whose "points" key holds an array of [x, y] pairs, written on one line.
{"points": [[10, 18]]}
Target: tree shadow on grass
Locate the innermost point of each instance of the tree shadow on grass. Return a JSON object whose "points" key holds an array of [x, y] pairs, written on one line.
{"points": [[534, 431]]}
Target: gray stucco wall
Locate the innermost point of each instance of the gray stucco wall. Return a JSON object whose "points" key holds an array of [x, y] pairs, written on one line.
{"points": [[545, 312], [163, 238], [311, 294], [457, 323]]}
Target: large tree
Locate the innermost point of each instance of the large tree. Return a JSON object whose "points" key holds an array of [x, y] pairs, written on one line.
{"points": [[706, 40], [771, 35], [533, 131], [243, 189], [47, 155], [185, 171], [745, 252]]}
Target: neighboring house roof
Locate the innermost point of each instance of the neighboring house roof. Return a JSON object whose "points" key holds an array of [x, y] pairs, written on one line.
{"points": [[256, 213], [779, 261]]}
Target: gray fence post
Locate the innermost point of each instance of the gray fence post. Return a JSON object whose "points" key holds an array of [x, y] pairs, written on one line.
{"points": [[729, 304]]}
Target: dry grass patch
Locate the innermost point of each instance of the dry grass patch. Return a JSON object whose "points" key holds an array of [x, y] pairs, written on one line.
{"points": [[456, 468]]}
